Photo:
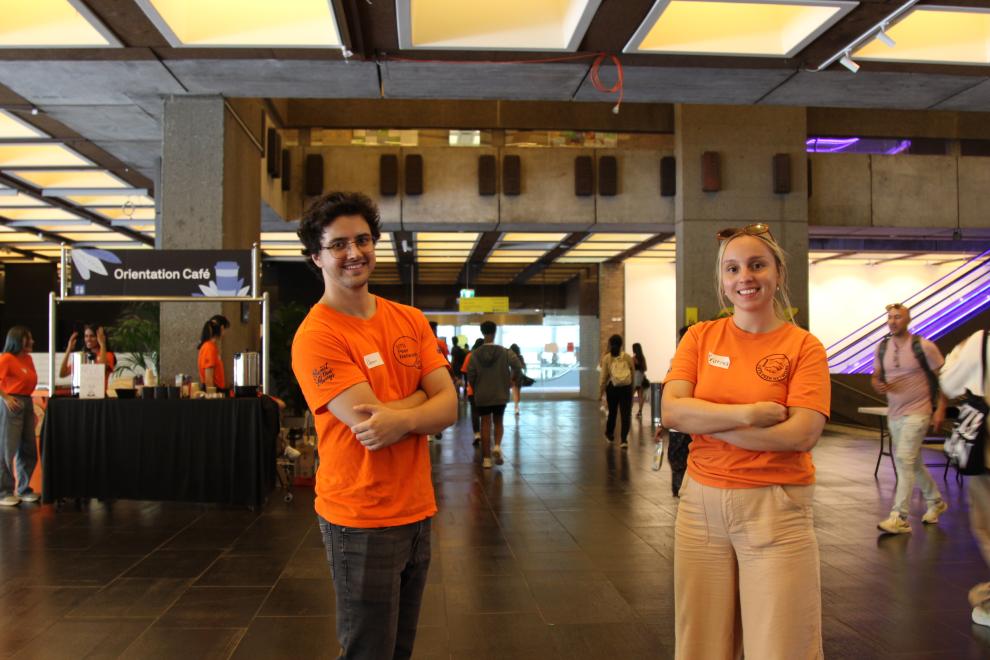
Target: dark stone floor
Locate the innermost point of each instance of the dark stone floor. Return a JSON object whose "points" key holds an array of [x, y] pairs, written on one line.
{"points": [[563, 552]]}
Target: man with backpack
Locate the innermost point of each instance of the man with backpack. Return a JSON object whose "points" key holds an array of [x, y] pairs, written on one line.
{"points": [[965, 374], [905, 369], [490, 373], [616, 385]]}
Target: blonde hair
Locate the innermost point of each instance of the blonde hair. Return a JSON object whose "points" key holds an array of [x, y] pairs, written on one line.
{"points": [[781, 298]]}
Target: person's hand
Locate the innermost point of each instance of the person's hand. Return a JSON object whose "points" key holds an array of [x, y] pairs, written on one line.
{"points": [[72, 342], [765, 413], [13, 405], [938, 418], [385, 426], [101, 337], [658, 434]]}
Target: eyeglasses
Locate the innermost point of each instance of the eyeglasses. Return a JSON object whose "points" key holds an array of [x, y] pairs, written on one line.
{"points": [[339, 247], [756, 229]]}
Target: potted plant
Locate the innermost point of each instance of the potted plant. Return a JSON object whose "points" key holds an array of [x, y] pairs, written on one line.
{"points": [[136, 339]]}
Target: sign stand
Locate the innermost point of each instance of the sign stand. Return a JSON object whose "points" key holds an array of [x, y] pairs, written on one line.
{"points": [[54, 298]]}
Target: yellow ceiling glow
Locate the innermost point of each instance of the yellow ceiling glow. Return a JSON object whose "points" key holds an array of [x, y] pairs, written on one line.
{"points": [[245, 23], [20, 200], [106, 201], [944, 34], [51, 24], [502, 25], [724, 27], [44, 213], [12, 127], [69, 179], [118, 213], [40, 155]]}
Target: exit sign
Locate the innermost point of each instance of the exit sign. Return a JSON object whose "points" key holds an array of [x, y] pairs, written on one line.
{"points": [[467, 293]]}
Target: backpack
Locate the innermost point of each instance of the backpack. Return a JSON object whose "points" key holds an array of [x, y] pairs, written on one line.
{"points": [[965, 447], [619, 372], [919, 355]]}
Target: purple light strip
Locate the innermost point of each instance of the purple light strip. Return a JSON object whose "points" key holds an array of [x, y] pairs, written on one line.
{"points": [[902, 146], [829, 145]]}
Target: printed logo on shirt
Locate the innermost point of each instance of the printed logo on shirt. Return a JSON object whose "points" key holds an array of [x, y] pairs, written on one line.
{"points": [[720, 361], [406, 351], [322, 374], [372, 360], [773, 368]]}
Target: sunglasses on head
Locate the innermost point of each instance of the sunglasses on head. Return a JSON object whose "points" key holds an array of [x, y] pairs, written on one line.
{"points": [[894, 306], [755, 229]]}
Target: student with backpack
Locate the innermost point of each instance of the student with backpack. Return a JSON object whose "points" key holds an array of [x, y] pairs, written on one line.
{"points": [[905, 369], [616, 386]]}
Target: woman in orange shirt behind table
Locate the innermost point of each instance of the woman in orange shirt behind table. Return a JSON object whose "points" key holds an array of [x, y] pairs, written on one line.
{"points": [[753, 391], [210, 361], [17, 382]]}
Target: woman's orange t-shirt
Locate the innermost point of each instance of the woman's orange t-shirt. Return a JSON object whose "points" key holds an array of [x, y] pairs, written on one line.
{"points": [[17, 374], [209, 357], [392, 351], [727, 365], [464, 366]]}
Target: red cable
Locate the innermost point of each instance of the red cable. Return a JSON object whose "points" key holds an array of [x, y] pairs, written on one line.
{"points": [[597, 81]]}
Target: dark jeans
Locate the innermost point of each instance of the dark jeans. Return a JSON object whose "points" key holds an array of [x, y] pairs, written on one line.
{"points": [[618, 396], [20, 454], [379, 576], [678, 445]]}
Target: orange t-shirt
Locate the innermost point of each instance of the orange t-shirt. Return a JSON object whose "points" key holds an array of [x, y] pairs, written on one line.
{"points": [[209, 356], [464, 366], [17, 374], [392, 351], [442, 347], [727, 365]]}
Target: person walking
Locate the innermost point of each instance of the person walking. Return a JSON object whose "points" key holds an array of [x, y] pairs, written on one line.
{"points": [[518, 383], [491, 372], [639, 376], [377, 385], [905, 368], [615, 385], [753, 390], [457, 355], [475, 420], [18, 379]]}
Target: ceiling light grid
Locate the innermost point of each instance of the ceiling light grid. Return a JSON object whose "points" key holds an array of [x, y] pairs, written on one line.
{"points": [[930, 34], [53, 24]]}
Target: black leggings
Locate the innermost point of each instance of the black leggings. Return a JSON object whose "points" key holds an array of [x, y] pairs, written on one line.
{"points": [[618, 396]]}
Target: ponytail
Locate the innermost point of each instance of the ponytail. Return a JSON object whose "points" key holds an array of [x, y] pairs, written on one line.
{"points": [[211, 329]]}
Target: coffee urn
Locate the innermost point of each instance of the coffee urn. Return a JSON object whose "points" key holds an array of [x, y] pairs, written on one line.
{"points": [[247, 373]]}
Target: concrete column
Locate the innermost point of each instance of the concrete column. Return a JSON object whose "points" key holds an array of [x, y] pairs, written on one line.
{"points": [[209, 199], [611, 303], [746, 139]]}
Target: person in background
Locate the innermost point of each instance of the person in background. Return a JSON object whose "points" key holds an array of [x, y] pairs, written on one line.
{"points": [[18, 379], [964, 369], [442, 348], [754, 390], [905, 370], [678, 447], [639, 376], [457, 355], [615, 385], [475, 420], [210, 361], [94, 348], [491, 372], [517, 383]]}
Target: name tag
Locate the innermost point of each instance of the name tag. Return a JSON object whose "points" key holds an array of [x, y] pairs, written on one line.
{"points": [[372, 360], [720, 361]]}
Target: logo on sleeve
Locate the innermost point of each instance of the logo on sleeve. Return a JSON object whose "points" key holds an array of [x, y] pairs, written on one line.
{"points": [[322, 374], [720, 361], [773, 368], [406, 351]]}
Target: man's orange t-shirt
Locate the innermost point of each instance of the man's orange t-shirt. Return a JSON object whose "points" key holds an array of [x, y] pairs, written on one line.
{"points": [[392, 351], [442, 347], [209, 357], [727, 365], [17, 374], [464, 366]]}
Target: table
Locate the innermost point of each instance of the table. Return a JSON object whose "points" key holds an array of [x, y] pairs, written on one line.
{"points": [[219, 450], [881, 412]]}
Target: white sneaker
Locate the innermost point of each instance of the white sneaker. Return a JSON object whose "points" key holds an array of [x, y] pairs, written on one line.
{"points": [[10, 500], [934, 511], [895, 525], [981, 616], [30, 496], [486, 463]]}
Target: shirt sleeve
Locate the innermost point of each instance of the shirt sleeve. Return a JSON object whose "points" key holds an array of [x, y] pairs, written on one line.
{"points": [[684, 366], [810, 385], [323, 367], [933, 355]]}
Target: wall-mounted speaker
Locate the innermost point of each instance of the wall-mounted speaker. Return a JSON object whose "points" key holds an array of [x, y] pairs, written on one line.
{"points": [[668, 176], [314, 175], [273, 154], [584, 177], [608, 176], [781, 174], [388, 175], [486, 175], [414, 174], [511, 175], [286, 170], [711, 172]]}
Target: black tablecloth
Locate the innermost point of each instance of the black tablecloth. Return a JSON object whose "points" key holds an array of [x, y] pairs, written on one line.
{"points": [[218, 450]]}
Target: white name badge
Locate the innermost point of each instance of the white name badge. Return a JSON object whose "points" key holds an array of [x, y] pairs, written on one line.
{"points": [[720, 361], [372, 360]]}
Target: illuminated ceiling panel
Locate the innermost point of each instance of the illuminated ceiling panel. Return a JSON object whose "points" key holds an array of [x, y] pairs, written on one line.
{"points": [[51, 24], [446, 236], [69, 179], [20, 237], [40, 155], [19, 200], [245, 23], [948, 35], [720, 27], [13, 128], [38, 214], [504, 25], [133, 213], [536, 237], [520, 255], [617, 238], [571, 259], [97, 237], [107, 201], [615, 248]]}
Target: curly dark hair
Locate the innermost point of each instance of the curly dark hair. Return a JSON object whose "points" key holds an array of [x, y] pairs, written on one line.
{"points": [[327, 209]]}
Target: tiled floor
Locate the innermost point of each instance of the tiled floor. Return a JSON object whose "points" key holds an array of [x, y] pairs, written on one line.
{"points": [[563, 552]]}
